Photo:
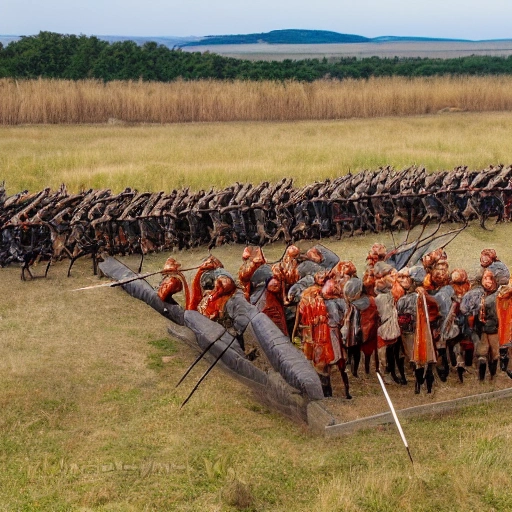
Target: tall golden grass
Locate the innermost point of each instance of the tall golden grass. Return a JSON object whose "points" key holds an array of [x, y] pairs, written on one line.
{"points": [[90, 101]]}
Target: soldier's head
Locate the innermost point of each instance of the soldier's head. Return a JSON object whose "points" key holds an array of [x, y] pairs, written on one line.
{"points": [[353, 289], [274, 285], [440, 276], [460, 281], [489, 281], [404, 279], [171, 265], [321, 277], [344, 268], [314, 255], [247, 253], [459, 276], [330, 290], [488, 256], [433, 258], [292, 251], [377, 253]]}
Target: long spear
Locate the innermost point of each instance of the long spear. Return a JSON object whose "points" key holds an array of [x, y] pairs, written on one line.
{"points": [[129, 279], [120, 282], [208, 371], [198, 358], [395, 417]]}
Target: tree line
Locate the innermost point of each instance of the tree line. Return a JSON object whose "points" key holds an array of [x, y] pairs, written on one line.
{"points": [[52, 55]]}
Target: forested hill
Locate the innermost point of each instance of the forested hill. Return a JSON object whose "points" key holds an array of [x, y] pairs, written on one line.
{"points": [[291, 36], [51, 55]]}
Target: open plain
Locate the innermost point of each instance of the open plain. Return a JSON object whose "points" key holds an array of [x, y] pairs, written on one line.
{"points": [[384, 49], [91, 419]]}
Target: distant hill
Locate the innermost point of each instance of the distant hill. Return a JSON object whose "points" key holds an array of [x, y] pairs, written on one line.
{"points": [[291, 36], [288, 36]]}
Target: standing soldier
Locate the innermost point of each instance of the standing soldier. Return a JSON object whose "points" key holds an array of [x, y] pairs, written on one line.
{"points": [[359, 329], [479, 307], [387, 293], [424, 354], [504, 311], [321, 342], [462, 347]]}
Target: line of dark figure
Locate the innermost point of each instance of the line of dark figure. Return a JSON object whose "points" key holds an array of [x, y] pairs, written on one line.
{"points": [[52, 225]]}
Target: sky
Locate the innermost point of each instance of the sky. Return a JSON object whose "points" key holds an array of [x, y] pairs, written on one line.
{"points": [[459, 19]]}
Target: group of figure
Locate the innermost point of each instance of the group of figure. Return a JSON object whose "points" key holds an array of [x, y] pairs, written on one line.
{"points": [[50, 225], [423, 315]]}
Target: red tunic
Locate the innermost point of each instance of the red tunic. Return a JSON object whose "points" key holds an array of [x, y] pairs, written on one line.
{"points": [[369, 319], [427, 310], [316, 334]]}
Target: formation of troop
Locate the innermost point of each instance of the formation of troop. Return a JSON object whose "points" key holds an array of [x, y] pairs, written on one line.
{"points": [[50, 225], [408, 311]]}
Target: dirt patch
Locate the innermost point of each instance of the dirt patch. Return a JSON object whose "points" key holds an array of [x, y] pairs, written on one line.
{"points": [[369, 400]]}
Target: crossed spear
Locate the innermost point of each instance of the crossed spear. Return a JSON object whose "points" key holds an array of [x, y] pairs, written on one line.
{"points": [[122, 282]]}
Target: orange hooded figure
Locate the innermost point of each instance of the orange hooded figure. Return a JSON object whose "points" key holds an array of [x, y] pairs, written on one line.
{"points": [[253, 259]]}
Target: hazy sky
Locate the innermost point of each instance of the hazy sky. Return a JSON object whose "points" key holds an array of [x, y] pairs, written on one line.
{"points": [[464, 19]]}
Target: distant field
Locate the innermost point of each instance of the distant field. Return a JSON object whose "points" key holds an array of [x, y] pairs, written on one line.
{"points": [[162, 157], [441, 50]]}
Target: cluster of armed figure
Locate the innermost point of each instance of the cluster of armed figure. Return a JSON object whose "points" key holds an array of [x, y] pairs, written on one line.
{"points": [[409, 313], [50, 225]]}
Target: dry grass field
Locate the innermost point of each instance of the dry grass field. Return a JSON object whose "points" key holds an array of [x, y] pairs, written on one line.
{"points": [[156, 157], [91, 419], [92, 101], [385, 49], [90, 414]]}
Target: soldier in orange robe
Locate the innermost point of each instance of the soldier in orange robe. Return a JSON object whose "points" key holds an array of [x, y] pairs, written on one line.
{"points": [[172, 282], [213, 302], [253, 259], [487, 349], [437, 284], [424, 354], [320, 343], [504, 311], [271, 304]]}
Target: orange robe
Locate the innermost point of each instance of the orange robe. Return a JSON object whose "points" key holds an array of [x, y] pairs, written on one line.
{"points": [[504, 310], [427, 311], [316, 333]]}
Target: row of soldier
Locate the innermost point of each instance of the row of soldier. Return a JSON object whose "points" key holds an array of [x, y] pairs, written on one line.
{"points": [[421, 314], [54, 225]]}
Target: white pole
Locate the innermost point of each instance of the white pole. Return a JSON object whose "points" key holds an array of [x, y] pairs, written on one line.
{"points": [[392, 409]]}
